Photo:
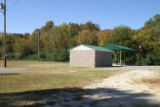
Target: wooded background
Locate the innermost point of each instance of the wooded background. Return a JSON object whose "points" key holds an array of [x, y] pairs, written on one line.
{"points": [[55, 41]]}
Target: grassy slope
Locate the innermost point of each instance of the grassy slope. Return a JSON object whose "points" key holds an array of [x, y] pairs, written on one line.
{"points": [[45, 76]]}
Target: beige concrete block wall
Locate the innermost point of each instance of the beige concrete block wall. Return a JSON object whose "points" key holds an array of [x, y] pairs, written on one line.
{"points": [[84, 58], [103, 59]]}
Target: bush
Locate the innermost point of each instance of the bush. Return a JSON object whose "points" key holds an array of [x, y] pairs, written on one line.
{"points": [[50, 57], [32, 57], [61, 55], [10, 56], [152, 59]]}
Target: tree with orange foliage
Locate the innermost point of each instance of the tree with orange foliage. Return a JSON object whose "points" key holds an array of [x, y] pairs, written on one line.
{"points": [[103, 36]]}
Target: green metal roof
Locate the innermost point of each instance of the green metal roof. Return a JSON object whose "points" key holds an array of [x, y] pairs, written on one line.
{"points": [[114, 47], [97, 48]]}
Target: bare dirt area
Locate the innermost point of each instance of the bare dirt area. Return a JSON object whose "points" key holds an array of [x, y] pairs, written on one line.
{"points": [[130, 89], [138, 87], [133, 88]]}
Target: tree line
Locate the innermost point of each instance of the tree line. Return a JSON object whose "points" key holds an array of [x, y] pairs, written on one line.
{"points": [[55, 41]]}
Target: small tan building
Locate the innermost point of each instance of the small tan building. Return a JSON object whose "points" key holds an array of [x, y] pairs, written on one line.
{"points": [[90, 56]]}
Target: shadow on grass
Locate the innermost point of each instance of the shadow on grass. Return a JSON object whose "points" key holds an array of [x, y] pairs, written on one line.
{"points": [[76, 97], [110, 66], [9, 74]]}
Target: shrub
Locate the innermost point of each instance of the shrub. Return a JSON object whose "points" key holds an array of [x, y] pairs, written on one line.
{"points": [[152, 59]]}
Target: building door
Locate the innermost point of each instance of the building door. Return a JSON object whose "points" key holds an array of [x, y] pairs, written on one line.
{"points": [[104, 60]]}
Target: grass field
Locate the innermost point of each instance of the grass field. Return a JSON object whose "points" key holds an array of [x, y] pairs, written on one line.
{"points": [[43, 78]]}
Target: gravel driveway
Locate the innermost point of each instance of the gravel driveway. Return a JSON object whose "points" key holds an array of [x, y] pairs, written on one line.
{"points": [[17, 70], [120, 90]]}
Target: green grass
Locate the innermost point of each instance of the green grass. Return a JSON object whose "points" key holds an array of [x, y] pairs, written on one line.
{"points": [[44, 76], [33, 64]]}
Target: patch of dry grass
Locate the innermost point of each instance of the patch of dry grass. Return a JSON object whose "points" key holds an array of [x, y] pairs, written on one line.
{"points": [[48, 79], [44, 76], [33, 64]]}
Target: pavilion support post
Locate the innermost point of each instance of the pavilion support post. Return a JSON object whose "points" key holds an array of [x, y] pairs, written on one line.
{"points": [[115, 57], [120, 57]]}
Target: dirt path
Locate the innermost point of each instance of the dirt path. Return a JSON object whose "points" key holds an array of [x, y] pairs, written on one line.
{"points": [[137, 93], [120, 90]]}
